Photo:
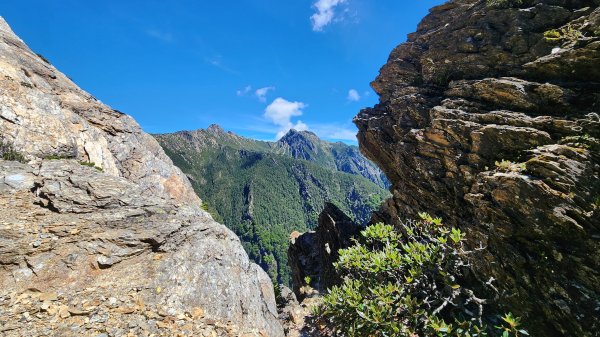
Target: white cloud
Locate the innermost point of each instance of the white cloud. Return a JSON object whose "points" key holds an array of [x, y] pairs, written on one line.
{"points": [[335, 131], [353, 95], [245, 91], [280, 113], [325, 13], [261, 93]]}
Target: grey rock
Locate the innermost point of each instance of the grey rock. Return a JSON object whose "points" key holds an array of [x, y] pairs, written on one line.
{"points": [[134, 224]]}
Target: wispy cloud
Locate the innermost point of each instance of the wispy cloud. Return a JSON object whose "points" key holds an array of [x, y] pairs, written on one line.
{"points": [[164, 37], [261, 93], [244, 91], [325, 13], [353, 95], [281, 111], [217, 62]]}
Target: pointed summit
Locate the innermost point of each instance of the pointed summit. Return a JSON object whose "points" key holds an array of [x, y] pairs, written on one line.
{"points": [[301, 144], [215, 128]]}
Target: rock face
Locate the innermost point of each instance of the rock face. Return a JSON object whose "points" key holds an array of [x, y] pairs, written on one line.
{"points": [[99, 232], [485, 123], [312, 254]]}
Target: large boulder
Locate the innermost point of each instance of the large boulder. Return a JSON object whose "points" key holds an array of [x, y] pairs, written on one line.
{"points": [[487, 124], [99, 232]]}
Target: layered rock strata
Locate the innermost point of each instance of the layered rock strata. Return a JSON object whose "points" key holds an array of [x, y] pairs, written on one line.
{"points": [[489, 118]]}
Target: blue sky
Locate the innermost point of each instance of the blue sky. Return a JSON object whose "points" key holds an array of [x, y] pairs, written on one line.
{"points": [[256, 67]]}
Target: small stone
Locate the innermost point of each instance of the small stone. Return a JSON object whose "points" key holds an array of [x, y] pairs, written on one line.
{"points": [[36, 243], [77, 312], [197, 313], [51, 310], [162, 325], [63, 311], [48, 297], [104, 262], [125, 310]]}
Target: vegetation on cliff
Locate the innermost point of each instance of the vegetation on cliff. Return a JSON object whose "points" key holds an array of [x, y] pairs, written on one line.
{"points": [[407, 281], [263, 191]]}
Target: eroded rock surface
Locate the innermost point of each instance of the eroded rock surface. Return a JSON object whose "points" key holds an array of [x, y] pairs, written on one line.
{"points": [[311, 255], [99, 232], [476, 85]]}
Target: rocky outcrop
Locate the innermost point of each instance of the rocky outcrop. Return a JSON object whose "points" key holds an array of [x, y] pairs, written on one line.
{"points": [[336, 231], [486, 123], [99, 232], [311, 255], [304, 260]]}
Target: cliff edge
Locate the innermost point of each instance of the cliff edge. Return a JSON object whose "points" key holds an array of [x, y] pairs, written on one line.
{"points": [[99, 232], [488, 117]]}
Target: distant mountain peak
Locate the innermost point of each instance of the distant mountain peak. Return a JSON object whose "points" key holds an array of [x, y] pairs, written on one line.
{"points": [[215, 128], [305, 137], [301, 132], [303, 145]]}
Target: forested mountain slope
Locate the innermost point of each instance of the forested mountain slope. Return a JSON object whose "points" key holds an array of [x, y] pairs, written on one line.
{"points": [[265, 190]]}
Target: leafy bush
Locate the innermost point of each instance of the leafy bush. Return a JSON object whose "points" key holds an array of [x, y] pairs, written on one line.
{"points": [[8, 152], [405, 282]]}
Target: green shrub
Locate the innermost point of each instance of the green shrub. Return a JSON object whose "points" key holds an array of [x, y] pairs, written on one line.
{"points": [[8, 152], [91, 164], [504, 3], [405, 282], [583, 141], [58, 157], [509, 166], [567, 33]]}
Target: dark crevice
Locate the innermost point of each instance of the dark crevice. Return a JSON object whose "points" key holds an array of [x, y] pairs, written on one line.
{"points": [[155, 246]]}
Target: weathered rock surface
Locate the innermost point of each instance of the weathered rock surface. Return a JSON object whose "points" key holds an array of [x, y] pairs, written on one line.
{"points": [[297, 316], [122, 248], [476, 85], [311, 255]]}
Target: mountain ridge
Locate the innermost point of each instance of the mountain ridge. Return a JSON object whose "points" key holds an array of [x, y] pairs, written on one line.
{"points": [[266, 190], [304, 145]]}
